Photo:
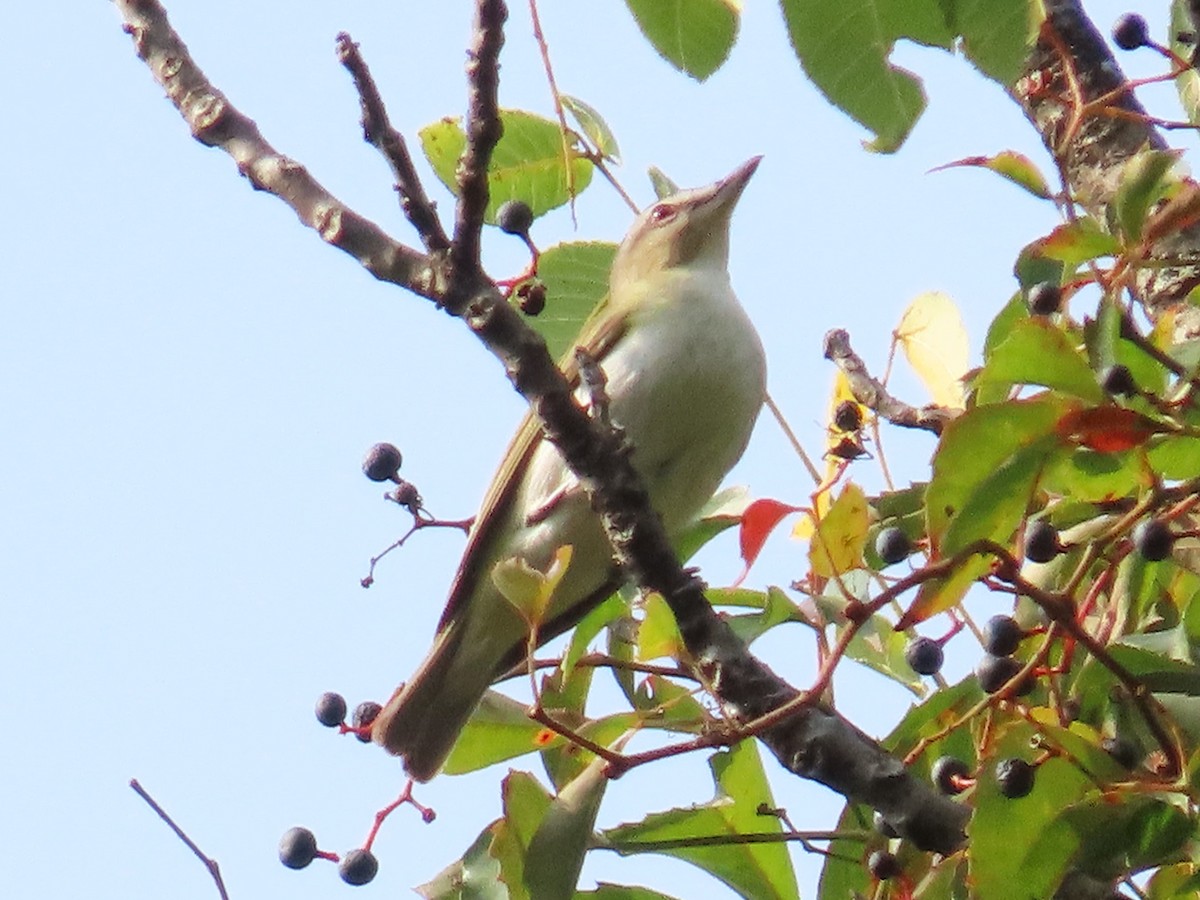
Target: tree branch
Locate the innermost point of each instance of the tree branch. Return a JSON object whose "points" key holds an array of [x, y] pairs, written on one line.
{"points": [[1069, 70], [378, 131], [215, 122], [483, 130], [816, 743], [870, 392]]}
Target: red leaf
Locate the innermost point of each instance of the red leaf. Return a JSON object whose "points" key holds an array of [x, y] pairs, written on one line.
{"points": [[1106, 429], [758, 521]]}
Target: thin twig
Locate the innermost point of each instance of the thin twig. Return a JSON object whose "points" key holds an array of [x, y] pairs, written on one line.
{"points": [[564, 131], [792, 439], [379, 133], [209, 863]]}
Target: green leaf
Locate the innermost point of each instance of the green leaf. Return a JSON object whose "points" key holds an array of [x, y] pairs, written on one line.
{"points": [[1120, 832], [1017, 851], [997, 35], [1187, 83], [658, 633], [753, 870], [670, 706], [606, 891], [576, 279], [565, 761], [1038, 352], [555, 855], [1087, 476], [592, 124], [722, 512], [774, 603], [475, 876], [844, 48], [695, 36], [1144, 181], [1077, 242], [499, 729], [1016, 167], [984, 475], [980, 454], [528, 163], [612, 609], [1174, 457]]}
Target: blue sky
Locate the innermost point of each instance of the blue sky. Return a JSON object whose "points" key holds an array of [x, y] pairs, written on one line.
{"points": [[189, 380]]}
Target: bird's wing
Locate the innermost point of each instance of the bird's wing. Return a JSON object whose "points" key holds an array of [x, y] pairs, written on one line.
{"points": [[597, 337]]}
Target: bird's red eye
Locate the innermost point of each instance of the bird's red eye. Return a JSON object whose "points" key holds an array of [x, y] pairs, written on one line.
{"points": [[663, 212]]}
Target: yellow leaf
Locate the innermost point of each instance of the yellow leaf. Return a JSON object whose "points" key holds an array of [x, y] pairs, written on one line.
{"points": [[806, 525], [837, 546], [934, 340]]}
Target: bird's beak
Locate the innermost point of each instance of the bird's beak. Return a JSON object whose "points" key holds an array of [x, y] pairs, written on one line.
{"points": [[709, 210], [723, 195]]}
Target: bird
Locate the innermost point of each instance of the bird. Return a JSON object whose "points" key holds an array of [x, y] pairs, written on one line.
{"points": [[685, 377]]}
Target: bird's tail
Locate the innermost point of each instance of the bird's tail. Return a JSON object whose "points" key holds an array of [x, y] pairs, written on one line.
{"points": [[425, 716]]}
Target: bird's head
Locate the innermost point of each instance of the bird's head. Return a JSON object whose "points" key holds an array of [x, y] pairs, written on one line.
{"points": [[690, 228]]}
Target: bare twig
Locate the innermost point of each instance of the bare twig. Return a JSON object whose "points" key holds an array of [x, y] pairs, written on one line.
{"points": [[563, 131], [215, 122], [378, 131], [483, 130], [209, 863], [871, 393]]}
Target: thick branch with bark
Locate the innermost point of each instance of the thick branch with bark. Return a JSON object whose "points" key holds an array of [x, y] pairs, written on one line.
{"points": [[1084, 108], [815, 743]]}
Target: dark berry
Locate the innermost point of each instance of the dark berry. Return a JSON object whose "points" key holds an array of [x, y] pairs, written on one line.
{"points": [[883, 826], [950, 774], [1130, 32], [382, 462], [364, 715], [1001, 635], [994, 672], [883, 865], [892, 545], [1122, 750], [514, 217], [1118, 381], [331, 709], [847, 416], [358, 867], [1044, 298], [531, 297], [1015, 777], [1153, 539], [1041, 541], [297, 848], [924, 655]]}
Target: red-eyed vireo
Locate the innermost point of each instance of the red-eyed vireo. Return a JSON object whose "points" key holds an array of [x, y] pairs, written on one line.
{"points": [[686, 379]]}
